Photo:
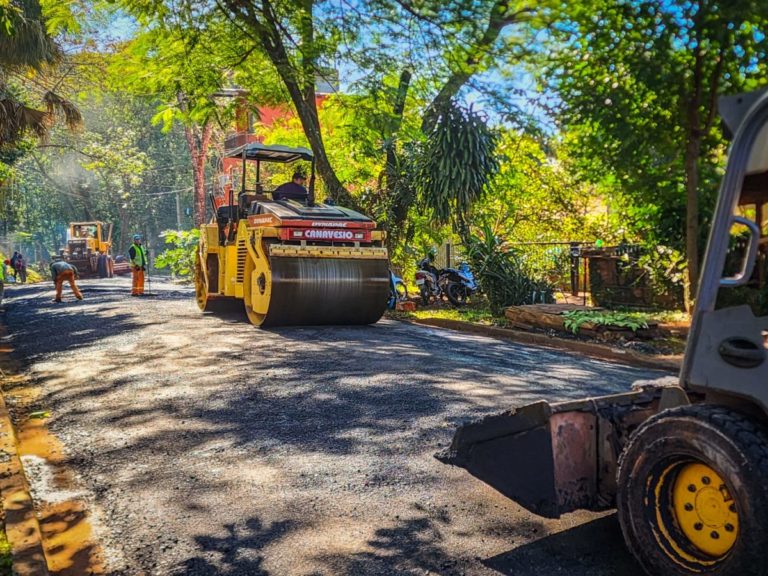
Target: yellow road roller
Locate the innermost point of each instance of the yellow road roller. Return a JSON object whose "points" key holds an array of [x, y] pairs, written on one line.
{"points": [[686, 466], [289, 261]]}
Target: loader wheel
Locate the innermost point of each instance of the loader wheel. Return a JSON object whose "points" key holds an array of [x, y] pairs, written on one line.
{"points": [[692, 497], [101, 266]]}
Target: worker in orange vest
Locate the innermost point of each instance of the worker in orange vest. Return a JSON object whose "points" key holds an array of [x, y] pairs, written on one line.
{"points": [[61, 271], [137, 254]]}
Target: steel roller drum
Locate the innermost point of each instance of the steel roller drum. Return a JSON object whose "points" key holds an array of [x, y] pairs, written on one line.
{"points": [[316, 291]]}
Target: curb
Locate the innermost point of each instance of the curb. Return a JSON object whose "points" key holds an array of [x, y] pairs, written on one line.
{"points": [[629, 357], [21, 525]]}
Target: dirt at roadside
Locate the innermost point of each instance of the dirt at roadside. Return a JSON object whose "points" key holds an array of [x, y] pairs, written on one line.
{"points": [[201, 445]]}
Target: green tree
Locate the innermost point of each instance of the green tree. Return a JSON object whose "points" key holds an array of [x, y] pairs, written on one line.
{"points": [[27, 49], [638, 82], [299, 38]]}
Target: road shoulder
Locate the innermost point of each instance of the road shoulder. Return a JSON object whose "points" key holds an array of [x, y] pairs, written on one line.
{"points": [[593, 350], [21, 524]]}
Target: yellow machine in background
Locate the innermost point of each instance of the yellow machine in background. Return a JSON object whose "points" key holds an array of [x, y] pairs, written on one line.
{"points": [[291, 262], [89, 246]]}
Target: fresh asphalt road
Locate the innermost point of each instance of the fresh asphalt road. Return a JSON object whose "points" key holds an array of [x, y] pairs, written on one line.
{"points": [[204, 445]]}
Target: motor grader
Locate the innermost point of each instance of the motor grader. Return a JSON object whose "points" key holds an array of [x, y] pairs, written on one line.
{"points": [[686, 466], [289, 262], [89, 246]]}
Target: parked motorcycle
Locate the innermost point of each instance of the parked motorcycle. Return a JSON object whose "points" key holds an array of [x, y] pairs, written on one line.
{"points": [[398, 292], [428, 280], [456, 284], [460, 284]]}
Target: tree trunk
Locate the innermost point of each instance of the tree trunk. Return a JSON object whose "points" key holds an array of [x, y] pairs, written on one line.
{"points": [[691, 167], [301, 88], [198, 141], [692, 151], [502, 14], [401, 198]]}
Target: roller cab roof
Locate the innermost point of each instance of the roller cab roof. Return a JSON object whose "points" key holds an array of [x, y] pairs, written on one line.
{"points": [[271, 153]]}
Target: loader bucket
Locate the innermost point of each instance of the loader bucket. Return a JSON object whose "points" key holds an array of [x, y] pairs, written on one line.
{"points": [[556, 458]]}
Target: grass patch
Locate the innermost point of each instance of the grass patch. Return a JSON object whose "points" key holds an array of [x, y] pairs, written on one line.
{"points": [[476, 312], [6, 562]]}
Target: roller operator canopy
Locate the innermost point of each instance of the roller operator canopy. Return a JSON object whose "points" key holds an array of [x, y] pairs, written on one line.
{"points": [[270, 153]]}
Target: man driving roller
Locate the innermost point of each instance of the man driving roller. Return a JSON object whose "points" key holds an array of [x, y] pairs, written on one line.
{"points": [[293, 190]]}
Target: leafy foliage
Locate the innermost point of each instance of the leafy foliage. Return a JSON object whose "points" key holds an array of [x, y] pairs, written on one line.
{"points": [[665, 269], [574, 320], [27, 49], [180, 256], [457, 163], [501, 273]]}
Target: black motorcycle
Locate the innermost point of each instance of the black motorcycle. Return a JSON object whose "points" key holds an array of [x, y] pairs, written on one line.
{"points": [[455, 284], [428, 280]]}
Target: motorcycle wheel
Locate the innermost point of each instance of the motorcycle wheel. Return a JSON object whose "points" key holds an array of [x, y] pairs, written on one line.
{"points": [[401, 292], [457, 294], [424, 291]]}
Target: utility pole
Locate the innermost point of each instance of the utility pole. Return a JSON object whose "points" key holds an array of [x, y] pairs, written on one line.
{"points": [[178, 210]]}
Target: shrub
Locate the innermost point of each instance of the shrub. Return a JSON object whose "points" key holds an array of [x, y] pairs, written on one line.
{"points": [[180, 255], [502, 275], [575, 319]]}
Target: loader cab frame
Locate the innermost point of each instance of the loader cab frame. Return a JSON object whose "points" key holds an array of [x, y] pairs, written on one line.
{"points": [[726, 351]]}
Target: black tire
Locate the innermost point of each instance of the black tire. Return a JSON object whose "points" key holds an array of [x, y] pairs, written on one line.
{"points": [[457, 293], [424, 291], [401, 291], [101, 266], [659, 458]]}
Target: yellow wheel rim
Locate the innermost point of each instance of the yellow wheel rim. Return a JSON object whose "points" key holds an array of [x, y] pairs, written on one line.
{"points": [[705, 510]]}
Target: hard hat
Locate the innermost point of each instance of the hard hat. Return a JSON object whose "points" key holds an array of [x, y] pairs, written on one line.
{"points": [[136, 237]]}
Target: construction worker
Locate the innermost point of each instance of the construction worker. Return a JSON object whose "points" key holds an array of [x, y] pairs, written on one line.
{"points": [[138, 257], [61, 271]]}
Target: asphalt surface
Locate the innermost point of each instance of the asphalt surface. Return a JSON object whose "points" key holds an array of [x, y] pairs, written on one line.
{"points": [[206, 446]]}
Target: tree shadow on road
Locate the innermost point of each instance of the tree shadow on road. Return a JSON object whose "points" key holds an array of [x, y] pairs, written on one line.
{"points": [[595, 548], [413, 545], [237, 553], [292, 399]]}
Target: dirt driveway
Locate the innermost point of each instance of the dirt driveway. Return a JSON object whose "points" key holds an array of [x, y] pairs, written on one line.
{"points": [[202, 445]]}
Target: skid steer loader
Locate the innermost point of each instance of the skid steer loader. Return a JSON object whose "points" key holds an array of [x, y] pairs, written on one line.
{"points": [[686, 466]]}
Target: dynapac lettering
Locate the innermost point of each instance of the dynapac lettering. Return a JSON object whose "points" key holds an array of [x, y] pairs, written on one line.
{"points": [[326, 224]]}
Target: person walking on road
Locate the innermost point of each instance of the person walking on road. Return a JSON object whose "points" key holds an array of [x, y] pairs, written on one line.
{"points": [[137, 254], [13, 263], [61, 271], [2, 281], [21, 268]]}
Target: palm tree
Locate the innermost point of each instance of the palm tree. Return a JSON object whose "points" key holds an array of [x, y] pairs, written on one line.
{"points": [[26, 45]]}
